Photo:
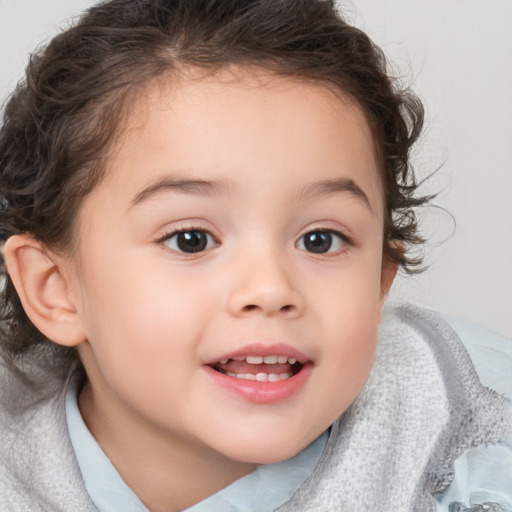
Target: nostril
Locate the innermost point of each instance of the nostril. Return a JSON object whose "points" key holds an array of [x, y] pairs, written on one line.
{"points": [[284, 309], [269, 309]]}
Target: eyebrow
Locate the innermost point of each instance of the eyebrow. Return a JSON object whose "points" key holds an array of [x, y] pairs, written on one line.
{"points": [[197, 187], [328, 187], [208, 188]]}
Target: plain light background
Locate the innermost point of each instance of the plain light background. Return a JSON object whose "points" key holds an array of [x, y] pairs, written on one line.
{"points": [[457, 55]]}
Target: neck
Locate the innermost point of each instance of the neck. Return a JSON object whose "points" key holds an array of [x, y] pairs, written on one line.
{"points": [[167, 474]]}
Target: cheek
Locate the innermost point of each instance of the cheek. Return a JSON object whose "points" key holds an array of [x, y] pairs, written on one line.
{"points": [[131, 316], [345, 368], [351, 296], [350, 312], [143, 340], [352, 344]]}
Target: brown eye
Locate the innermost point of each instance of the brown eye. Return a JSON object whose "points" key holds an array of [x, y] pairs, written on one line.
{"points": [[321, 241], [190, 241]]}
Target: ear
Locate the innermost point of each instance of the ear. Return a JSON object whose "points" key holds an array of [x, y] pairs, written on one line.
{"points": [[389, 271], [43, 290], [387, 276]]}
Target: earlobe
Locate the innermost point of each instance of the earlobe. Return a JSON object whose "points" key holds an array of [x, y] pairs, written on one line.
{"points": [[43, 290]]}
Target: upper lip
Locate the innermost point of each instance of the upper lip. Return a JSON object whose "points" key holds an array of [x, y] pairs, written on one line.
{"points": [[263, 349]]}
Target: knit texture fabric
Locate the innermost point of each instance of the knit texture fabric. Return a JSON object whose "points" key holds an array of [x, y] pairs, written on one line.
{"points": [[392, 450], [422, 406]]}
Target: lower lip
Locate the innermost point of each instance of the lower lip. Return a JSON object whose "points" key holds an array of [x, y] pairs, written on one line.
{"points": [[261, 392]]}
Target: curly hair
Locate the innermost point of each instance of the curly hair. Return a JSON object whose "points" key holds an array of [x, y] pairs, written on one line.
{"points": [[61, 120]]}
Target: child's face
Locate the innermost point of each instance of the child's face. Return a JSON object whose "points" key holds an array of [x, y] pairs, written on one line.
{"points": [[237, 219]]}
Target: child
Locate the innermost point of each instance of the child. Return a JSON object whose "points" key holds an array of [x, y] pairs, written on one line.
{"points": [[204, 204]]}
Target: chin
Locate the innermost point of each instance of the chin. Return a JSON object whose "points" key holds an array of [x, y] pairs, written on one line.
{"points": [[267, 453]]}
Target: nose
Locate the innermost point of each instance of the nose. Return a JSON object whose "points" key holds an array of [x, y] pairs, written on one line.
{"points": [[264, 286]]}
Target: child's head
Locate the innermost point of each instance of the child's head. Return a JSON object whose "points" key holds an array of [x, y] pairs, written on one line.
{"points": [[198, 181]]}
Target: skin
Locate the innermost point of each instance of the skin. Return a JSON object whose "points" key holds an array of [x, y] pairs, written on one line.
{"points": [[152, 316]]}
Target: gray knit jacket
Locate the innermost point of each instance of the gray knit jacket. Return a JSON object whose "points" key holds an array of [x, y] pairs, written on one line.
{"points": [[392, 450]]}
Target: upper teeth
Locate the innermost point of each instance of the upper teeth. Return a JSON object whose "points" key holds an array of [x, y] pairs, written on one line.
{"points": [[261, 377], [266, 360]]}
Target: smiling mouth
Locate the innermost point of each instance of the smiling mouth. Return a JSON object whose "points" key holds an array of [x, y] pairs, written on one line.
{"points": [[269, 368]]}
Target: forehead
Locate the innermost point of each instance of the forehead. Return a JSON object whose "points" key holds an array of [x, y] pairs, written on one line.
{"points": [[245, 124]]}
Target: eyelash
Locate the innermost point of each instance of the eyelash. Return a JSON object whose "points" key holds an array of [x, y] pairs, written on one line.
{"points": [[174, 236], [204, 241], [342, 241]]}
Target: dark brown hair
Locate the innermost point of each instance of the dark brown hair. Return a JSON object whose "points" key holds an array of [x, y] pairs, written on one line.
{"points": [[61, 120]]}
